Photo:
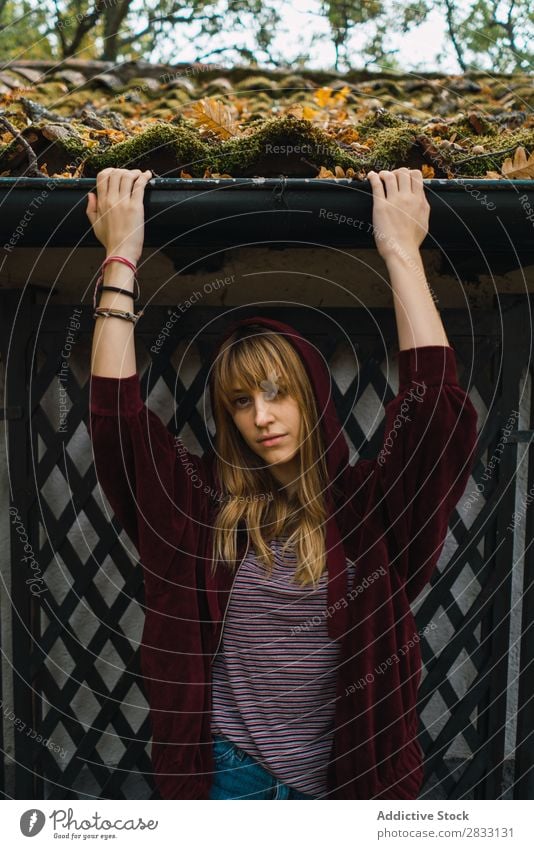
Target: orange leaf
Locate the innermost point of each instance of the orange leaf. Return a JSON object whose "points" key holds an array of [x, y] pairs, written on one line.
{"points": [[308, 113], [428, 171], [341, 95], [214, 116], [323, 96]]}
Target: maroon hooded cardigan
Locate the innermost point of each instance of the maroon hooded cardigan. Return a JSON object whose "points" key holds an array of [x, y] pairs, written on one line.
{"points": [[390, 512]]}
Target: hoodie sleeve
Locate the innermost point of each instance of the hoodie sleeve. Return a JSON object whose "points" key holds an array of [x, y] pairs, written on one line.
{"points": [[139, 467], [425, 460]]}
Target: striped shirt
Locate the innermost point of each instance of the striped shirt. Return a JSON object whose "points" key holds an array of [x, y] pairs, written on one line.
{"points": [[274, 679]]}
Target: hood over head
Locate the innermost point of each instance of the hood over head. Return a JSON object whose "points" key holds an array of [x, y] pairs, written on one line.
{"points": [[337, 454]]}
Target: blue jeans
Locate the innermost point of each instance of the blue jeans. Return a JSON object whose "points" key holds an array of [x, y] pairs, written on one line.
{"points": [[238, 776]]}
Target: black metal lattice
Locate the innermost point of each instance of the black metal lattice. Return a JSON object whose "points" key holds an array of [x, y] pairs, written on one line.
{"points": [[80, 684]]}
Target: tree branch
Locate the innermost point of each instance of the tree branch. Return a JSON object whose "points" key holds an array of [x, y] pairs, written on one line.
{"points": [[450, 26]]}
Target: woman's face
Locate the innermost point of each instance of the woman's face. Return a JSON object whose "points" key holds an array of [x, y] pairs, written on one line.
{"points": [[269, 413]]}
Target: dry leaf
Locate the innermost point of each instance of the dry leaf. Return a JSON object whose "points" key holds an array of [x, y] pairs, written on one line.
{"points": [[341, 95], [476, 123], [520, 168], [185, 176], [323, 96], [302, 112], [428, 172], [308, 113], [296, 111], [214, 116]]}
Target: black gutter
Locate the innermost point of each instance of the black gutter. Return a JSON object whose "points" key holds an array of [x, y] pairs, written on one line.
{"points": [[481, 216]]}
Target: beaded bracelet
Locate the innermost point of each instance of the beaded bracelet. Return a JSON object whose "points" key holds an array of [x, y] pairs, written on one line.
{"points": [[108, 312]]}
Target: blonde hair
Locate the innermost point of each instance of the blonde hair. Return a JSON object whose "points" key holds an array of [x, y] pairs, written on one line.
{"points": [[251, 491]]}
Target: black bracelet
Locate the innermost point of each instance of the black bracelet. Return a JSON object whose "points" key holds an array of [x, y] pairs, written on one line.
{"points": [[102, 288]]}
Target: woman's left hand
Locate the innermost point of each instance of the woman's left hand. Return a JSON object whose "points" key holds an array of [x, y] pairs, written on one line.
{"points": [[400, 211]]}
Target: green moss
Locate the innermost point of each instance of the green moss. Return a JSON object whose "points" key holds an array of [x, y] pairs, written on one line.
{"points": [[499, 89], [499, 149], [299, 97], [387, 88], [47, 93], [72, 143], [392, 146], [465, 128], [178, 95], [294, 82], [523, 98], [177, 145], [126, 109], [376, 121], [257, 83], [258, 149], [260, 100]]}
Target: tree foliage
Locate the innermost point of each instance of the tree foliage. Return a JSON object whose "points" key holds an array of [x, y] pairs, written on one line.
{"points": [[491, 35], [483, 34]]}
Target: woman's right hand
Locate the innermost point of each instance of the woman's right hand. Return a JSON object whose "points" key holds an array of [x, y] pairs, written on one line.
{"points": [[116, 212]]}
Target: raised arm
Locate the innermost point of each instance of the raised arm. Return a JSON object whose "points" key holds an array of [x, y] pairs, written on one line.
{"points": [[400, 220], [430, 434], [138, 465], [117, 217]]}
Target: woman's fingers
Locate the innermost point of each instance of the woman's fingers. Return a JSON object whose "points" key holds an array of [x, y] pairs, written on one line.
{"points": [[390, 182], [376, 185], [128, 179], [139, 184], [384, 183], [417, 178], [135, 175], [114, 183], [404, 179], [91, 209], [102, 183]]}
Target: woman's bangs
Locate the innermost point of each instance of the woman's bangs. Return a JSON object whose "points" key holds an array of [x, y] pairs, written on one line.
{"points": [[248, 364]]}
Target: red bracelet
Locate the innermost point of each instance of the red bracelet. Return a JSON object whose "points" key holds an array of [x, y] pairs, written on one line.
{"points": [[107, 260]]}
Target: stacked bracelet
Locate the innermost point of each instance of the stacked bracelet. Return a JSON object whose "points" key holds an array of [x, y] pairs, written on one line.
{"points": [[108, 312], [102, 288], [106, 262]]}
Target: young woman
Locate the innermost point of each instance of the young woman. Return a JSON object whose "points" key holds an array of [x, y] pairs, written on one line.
{"points": [[280, 655]]}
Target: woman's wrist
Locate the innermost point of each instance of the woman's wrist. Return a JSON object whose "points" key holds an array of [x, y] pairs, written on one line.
{"points": [[399, 255], [127, 253], [118, 272]]}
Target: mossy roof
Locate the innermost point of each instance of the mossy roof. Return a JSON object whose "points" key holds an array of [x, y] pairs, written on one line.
{"points": [[201, 121]]}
